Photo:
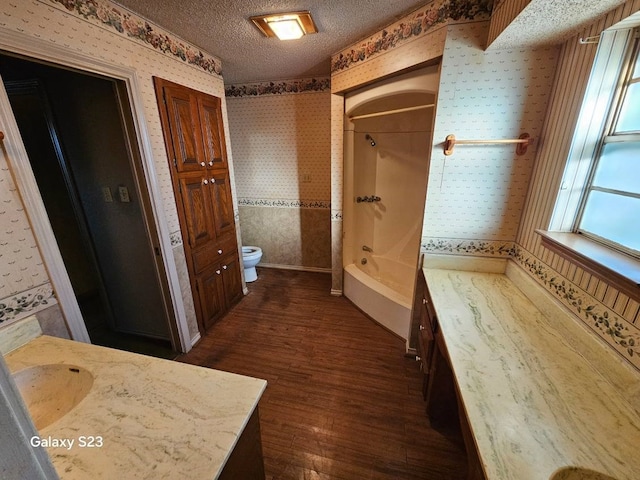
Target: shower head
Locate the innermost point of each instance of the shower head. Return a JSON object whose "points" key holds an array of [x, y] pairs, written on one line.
{"points": [[371, 140]]}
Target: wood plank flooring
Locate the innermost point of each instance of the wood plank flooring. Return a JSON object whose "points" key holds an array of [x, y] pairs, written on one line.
{"points": [[342, 401]]}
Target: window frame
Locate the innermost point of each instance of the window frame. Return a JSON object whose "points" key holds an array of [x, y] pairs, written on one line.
{"points": [[628, 64], [619, 269]]}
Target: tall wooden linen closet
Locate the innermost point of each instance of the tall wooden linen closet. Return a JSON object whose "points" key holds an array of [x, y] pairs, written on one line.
{"points": [[194, 139]]}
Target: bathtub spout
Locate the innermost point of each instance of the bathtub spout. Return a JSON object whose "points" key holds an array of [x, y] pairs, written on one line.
{"points": [[367, 249]]}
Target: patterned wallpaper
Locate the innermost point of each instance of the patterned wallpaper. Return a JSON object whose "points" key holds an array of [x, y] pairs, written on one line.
{"points": [[83, 29], [280, 145], [478, 192], [611, 315], [280, 134], [21, 267], [128, 23]]}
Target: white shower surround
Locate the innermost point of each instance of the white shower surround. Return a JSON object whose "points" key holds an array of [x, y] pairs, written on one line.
{"points": [[391, 163]]}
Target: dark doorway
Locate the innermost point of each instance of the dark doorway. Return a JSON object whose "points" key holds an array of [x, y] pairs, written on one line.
{"points": [[76, 129]]}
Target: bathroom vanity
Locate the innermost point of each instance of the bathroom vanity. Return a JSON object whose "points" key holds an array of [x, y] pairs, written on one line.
{"points": [[143, 417], [538, 397]]}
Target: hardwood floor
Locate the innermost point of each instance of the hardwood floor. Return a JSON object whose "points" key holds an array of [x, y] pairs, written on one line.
{"points": [[342, 401]]}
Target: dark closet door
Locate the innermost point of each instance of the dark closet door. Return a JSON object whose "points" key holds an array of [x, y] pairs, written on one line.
{"points": [[222, 203], [215, 154], [184, 125], [194, 138], [196, 199]]}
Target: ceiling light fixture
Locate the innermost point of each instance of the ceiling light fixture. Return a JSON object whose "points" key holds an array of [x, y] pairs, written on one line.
{"points": [[285, 26]]}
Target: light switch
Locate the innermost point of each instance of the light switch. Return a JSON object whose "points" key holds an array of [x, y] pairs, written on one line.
{"points": [[106, 194], [123, 192]]}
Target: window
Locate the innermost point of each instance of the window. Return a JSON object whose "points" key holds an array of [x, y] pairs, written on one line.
{"points": [[596, 220], [610, 212]]}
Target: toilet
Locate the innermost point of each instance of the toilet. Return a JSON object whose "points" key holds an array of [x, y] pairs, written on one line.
{"points": [[250, 258]]}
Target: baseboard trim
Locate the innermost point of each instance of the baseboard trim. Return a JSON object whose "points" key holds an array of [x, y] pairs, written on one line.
{"points": [[195, 339], [295, 267]]}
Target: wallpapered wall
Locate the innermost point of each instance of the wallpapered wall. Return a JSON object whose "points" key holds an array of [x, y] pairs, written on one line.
{"points": [[475, 196], [281, 144], [610, 314], [478, 202], [113, 35]]}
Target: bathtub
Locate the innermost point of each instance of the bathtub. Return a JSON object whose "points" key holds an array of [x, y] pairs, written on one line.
{"points": [[388, 303]]}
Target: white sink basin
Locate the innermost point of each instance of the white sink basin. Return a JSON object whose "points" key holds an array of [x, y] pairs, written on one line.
{"points": [[53, 390], [577, 473]]}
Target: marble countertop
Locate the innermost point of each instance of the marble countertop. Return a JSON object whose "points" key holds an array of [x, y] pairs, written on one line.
{"points": [[157, 418], [533, 402]]}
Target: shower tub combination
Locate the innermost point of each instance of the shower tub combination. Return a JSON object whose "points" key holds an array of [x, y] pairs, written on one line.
{"points": [[388, 134]]}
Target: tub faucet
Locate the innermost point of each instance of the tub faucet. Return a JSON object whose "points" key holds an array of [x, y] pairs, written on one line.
{"points": [[367, 249]]}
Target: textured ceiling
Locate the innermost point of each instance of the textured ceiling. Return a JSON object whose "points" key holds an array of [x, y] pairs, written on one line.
{"points": [[222, 28], [549, 22]]}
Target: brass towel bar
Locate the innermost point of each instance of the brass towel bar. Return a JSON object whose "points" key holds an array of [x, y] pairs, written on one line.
{"points": [[523, 141]]}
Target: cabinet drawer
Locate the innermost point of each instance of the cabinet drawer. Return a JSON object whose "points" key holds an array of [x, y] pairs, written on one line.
{"points": [[213, 251]]}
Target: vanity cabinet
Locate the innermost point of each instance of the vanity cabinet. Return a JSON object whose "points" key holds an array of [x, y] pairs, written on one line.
{"points": [[443, 402], [425, 323], [194, 140]]}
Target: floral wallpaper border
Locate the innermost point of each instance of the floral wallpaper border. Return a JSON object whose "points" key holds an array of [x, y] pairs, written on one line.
{"points": [[618, 332], [26, 303], [305, 85], [282, 203], [175, 238], [457, 246], [110, 15], [420, 22], [622, 335]]}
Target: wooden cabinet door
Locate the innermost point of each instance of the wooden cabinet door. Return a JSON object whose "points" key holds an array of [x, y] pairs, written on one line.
{"points": [[222, 204], [211, 295], [184, 126], [195, 193], [215, 152], [194, 137], [232, 280]]}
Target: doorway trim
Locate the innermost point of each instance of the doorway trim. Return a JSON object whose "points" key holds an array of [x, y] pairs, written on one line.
{"points": [[28, 46]]}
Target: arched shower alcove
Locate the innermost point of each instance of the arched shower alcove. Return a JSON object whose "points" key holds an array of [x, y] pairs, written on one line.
{"points": [[388, 138]]}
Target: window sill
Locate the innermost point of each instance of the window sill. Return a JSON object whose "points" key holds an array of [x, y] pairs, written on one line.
{"points": [[617, 269]]}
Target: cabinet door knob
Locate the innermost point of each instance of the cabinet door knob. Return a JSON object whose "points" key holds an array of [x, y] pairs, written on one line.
{"points": [[224, 267], [218, 272], [418, 358], [421, 327], [202, 164], [424, 301], [220, 252], [213, 180], [205, 181], [210, 163]]}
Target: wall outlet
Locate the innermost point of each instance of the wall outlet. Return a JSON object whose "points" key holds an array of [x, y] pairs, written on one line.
{"points": [[106, 195], [123, 192], [305, 178]]}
